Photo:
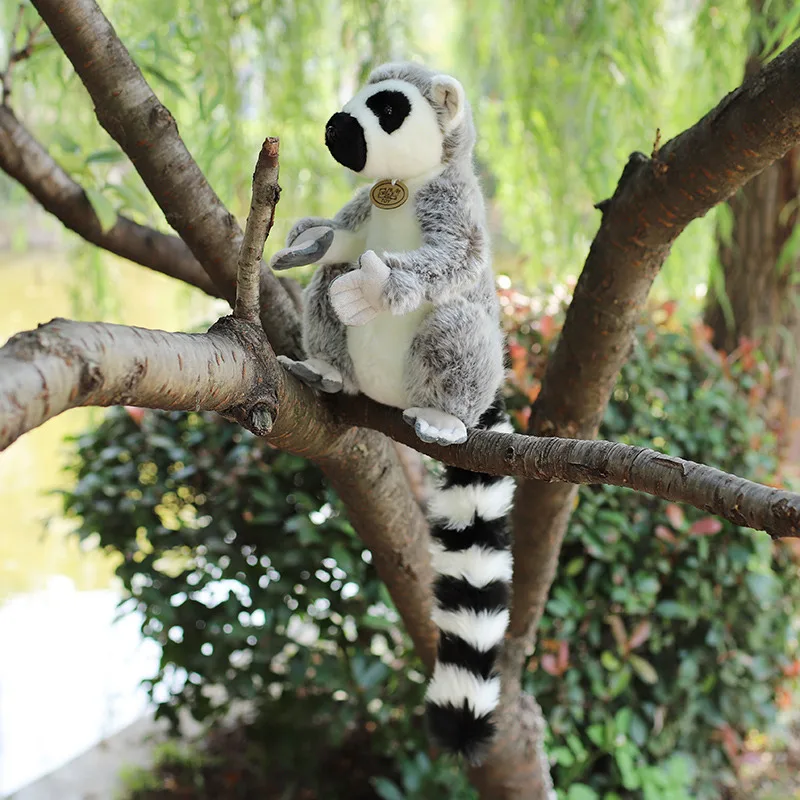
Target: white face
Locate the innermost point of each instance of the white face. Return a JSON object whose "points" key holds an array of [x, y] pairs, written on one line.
{"points": [[388, 130]]}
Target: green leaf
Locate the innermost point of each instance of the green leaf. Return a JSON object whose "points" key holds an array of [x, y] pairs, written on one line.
{"points": [[576, 745], [673, 610], [580, 791], [762, 586], [622, 720], [620, 681], [610, 661], [160, 77], [574, 566], [562, 756], [372, 675], [105, 157], [644, 669], [596, 734], [106, 213], [387, 790], [624, 759]]}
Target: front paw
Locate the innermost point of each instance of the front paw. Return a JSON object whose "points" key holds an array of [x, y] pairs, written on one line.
{"points": [[309, 247], [357, 297], [314, 372]]}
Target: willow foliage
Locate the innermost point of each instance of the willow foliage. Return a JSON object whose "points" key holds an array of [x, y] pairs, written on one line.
{"points": [[564, 90]]}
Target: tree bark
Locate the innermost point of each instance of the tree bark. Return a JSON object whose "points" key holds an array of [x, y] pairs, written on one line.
{"points": [[759, 298], [266, 193], [68, 364]]}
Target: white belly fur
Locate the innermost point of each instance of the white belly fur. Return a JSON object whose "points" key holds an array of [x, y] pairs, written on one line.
{"points": [[379, 349]]}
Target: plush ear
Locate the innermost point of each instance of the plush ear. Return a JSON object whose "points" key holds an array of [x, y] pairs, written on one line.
{"points": [[448, 93]]}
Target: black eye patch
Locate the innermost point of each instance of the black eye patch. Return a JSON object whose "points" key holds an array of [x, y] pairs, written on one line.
{"points": [[391, 108]]}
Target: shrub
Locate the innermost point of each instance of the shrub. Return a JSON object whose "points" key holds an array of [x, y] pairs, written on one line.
{"points": [[250, 578], [665, 638]]}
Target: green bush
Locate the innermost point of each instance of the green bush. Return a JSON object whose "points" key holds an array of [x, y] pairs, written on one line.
{"points": [[665, 636]]}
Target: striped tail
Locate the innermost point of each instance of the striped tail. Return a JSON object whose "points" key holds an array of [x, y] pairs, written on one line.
{"points": [[471, 554]]}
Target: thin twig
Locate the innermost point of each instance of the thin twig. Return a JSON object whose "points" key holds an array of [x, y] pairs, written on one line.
{"points": [[16, 56], [266, 193]]}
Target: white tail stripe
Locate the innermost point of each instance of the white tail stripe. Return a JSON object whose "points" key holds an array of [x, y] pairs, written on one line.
{"points": [[456, 506], [452, 684], [477, 565], [482, 630]]}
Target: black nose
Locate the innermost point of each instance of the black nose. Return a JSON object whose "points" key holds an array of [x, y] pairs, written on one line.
{"points": [[344, 137]]}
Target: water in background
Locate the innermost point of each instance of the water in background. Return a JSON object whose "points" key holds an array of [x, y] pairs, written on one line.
{"points": [[68, 674]]}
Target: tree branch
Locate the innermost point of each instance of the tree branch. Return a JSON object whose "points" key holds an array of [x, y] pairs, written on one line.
{"points": [[266, 193], [130, 112], [67, 364], [26, 160], [575, 461]]}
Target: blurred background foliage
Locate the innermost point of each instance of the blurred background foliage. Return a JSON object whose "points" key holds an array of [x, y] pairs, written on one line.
{"points": [[669, 638], [563, 92]]}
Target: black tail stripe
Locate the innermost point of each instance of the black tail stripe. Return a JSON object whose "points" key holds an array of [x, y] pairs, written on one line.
{"points": [[490, 533], [495, 414], [455, 476], [454, 650], [456, 594], [459, 730]]}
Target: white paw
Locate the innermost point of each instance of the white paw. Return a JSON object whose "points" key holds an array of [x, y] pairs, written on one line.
{"points": [[439, 427], [314, 372], [357, 296]]}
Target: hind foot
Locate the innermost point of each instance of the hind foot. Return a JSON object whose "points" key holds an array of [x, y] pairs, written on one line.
{"points": [[314, 372], [439, 427]]}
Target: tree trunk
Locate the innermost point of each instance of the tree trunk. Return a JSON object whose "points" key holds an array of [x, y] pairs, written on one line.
{"points": [[758, 267]]}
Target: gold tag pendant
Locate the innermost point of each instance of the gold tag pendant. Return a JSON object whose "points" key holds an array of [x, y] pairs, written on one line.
{"points": [[388, 194]]}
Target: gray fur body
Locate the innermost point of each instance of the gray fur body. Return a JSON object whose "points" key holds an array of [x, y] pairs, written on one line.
{"points": [[439, 337]]}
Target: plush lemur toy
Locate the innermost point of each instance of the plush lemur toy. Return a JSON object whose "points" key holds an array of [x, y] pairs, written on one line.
{"points": [[403, 308]]}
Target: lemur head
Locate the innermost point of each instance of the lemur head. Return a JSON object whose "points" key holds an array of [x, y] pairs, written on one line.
{"points": [[406, 122]]}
